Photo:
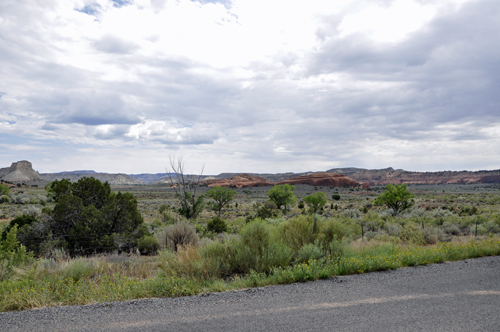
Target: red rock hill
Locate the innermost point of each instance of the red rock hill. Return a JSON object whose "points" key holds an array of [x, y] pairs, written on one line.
{"points": [[322, 179], [238, 181]]}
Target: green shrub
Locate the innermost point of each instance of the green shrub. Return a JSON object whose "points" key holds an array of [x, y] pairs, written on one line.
{"points": [[336, 249], [468, 211], [4, 190], [330, 229], [370, 235], [20, 222], [156, 224], [271, 205], [4, 199], [265, 212], [148, 245], [492, 227], [221, 256], [168, 217], [297, 232], [336, 197], [217, 225], [309, 252], [412, 234], [11, 254], [261, 249], [78, 269], [392, 229], [46, 210], [164, 208], [451, 229], [351, 213], [433, 235]]}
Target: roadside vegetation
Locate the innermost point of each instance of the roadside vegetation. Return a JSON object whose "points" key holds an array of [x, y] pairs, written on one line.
{"points": [[89, 244]]}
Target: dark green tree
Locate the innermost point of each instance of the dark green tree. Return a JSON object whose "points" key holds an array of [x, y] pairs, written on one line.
{"points": [[58, 188], [221, 196], [282, 195], [88, 217], [396, 197]]}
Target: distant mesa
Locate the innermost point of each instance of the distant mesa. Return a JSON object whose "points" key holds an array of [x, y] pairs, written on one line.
{"points": [[322, 179], [113, 179], [22, 171], [239, 181]]}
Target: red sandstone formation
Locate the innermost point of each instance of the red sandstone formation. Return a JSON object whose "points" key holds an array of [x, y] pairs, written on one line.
{"points": [[322, 179], [239, 181]]}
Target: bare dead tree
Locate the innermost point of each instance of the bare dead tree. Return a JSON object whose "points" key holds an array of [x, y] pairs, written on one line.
{"points": [[185, 187]]}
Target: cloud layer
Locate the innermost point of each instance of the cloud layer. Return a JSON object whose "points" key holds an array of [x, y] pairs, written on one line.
{"points": [[258, 86]]}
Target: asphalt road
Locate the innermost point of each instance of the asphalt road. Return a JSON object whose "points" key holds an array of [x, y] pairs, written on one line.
{"points": [[457, 296]]}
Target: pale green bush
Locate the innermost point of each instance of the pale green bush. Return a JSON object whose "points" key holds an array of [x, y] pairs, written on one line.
{"points": [[393, 229], [412, 234], [309, 252], [330, 230], [261, 248], [297, 232], [432, 235], [451, 229], [352, 213]]}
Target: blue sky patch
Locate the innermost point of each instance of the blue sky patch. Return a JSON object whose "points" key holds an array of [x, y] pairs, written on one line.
{"points": [[120, 3], [89, 9]]}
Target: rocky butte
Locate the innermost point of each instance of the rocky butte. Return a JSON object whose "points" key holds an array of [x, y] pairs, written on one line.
{"points": [[22, 171], [323, 179]]}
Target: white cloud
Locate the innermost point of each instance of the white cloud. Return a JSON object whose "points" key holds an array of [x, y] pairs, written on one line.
{"points": [[251, 85]]}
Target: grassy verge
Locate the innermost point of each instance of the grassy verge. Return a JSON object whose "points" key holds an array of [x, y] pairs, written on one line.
{"points": [[48, 283]]}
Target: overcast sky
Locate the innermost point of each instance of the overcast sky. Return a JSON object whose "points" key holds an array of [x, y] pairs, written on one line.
{"points": [[250, 85]]}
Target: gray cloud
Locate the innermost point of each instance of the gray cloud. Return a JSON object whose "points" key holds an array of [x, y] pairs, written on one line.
{"points": [[445, 73], [115, 45], [48, 126], [351, 101]]}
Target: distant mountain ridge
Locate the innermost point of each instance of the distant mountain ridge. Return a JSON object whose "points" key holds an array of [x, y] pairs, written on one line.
{"points": [[398, 176], [151, 178], [22, 171], [113, 179]]}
